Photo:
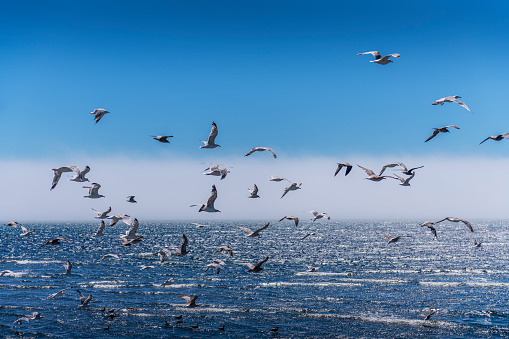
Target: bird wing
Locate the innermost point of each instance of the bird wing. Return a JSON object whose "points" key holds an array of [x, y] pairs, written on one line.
{"points": [[250, 152], [95, 189], [287, 189], [101, 227], [82, 297], [376, 54], [461, 103], [212, 198], [251, 266], [393, 164], [213, 134], [245, 229], [367, 170], [271, 152], [23, 229], [506, 135], [184, 243], [467, 224], [396, 55], [315, 213], [261, 228], [433, 135], [453, 126], [186, 298], [386, 235], [255, 190], [261, 263], [340, 166], [134, 228]]}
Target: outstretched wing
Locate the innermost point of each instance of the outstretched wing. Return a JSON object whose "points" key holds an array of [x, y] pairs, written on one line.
{"points": [[213, 134], [367, 170], [213, 197], [261, 263], [376, 54], [433, 135]]}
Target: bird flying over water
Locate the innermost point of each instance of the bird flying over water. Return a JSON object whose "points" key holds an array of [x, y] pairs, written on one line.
{"points": [[12, 223], [93, 192], [129, 242], [431, 226], [341, 165], [99, 113], [372, 176], [226, 249], [27, 318], [130, 199], [254, 233], [497, 137], [55, 241], [253, 268], [277, 179], [293, 187], [110, 256], [427, 316], [453, 98], [25, 231], [84, 301], [211, 141], [407, 171], [183, 248], [394, 239], [457, 220], [391, 165], [59, 293], [57, 173], [114, 219], [162, 138], [379, 59], [253, 192], [190, 300], [102, 215], [209, 207], [216, 171], [260, 149], [440, 129], [131, 233], [289, 217], [319, 215], [68, 266], [99, 232], [163, 253]]}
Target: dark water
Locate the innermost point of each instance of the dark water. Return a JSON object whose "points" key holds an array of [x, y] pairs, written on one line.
{"points": [[363, 288]]}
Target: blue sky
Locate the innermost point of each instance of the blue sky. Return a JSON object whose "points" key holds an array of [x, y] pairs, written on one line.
{"points": [[283, 74]]}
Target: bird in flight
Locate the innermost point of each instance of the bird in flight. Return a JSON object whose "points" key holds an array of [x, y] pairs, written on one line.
{"points": [[216, 171], [226, 249], [183, 248], [277, 179], [260, 149], [253, 268], [12, 223], [209, 207], [407, 171], [130, 199], [114, 219], [55, 241], [68, 266], [253, 192], [405, 181], [163, 253], [79, 176], [319, 215], [25, 231], [211, 141], [99, 113], [457, 220], [431, 226], [394, 239], [93, 192], [84, 301], [341, 165], [254, 233], [59, 293], [293, 187], [440, 129], [289, 217], [99, 232], [453, 98], [379, 59], [372, 176], [102, 215], [190, 300], [427, 316], [162, 138], [497, 137]]}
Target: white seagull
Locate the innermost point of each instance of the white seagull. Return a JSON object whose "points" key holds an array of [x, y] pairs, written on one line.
{"points": [[190, 301], [259, 149], [453, 98], [163, 253], [440, 129], [209, 207], [405, 181], [131, 233], [99, 113], [59, 293], [109, 256], [319, 215], [25, 231], [289, 217], [293, 187], [68, 266], [168, 282], [379, 59], [183, 248], [117, 217], [12, 223], [497, 137], [102, 215], [84, 301], [457, 220], [254, 233], [277, 179], [253, 268], [100, 230], [80, 175], [216, 171], [253, 192], [372, 176], [27, 318], [93, 192], [211, 141], [57, 173], [215, 264], [6, 272]]}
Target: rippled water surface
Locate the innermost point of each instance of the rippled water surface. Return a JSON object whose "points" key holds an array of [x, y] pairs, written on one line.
{"points": [[364, 287]]}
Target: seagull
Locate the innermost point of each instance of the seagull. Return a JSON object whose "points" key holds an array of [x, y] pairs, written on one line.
{"points": [[57, 173], [25, 231], [293, 187], [427, 316], [453, 98], [216, 171], [210, 203], [289, 217], [341, 165], [100, 230], [259, 149], [54, 241], [253, 192], [391, 239], [68, 266], [379, 59], [80, 175], [254, 233], [93, 192], [168, 282], [162, 138], [163, 253], [226, 249], [253, 268], [109, 256], [497, 137], [130, 199], [102, 215], [131, 233], [99, 113], [372, 176], [431, 226], [319, 215], [145, 267], [84, 301], [190, 300], [211, 141], [12, 223], [59, 293], [129, 242], [199, 225], [183, 248], [312, 269], [405, 182], [6, 272], [215, 265], [407, 171], [277, 179], [476, 244], [457, 220], [440, 129], [27, 318], [392, 164], [117, 217]]}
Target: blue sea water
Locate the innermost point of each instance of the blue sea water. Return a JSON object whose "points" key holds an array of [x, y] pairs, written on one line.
{"points": [[364, 287]]}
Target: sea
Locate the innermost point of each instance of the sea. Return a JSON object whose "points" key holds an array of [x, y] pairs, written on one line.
{"points": [[363, 287]]}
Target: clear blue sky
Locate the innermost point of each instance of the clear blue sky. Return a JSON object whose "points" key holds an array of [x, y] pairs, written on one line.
{"points": [[283, 74]]}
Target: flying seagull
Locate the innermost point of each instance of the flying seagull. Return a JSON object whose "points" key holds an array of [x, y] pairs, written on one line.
{"points": [[80, 175], [379, 59], [277, 179], [215, 265], [440, 129], [497, 137], [12, 223], [114, 219], [453, 98], [372, 176], [93, 192], [199, 225], [226, 249], [407, 171], [209, 207], [102, 215], [427, 316], [319, 215], [183, 248], [293, 187], [253, 192], [394, 239], [59, 293], [130, 199], [431, 226], [25, 231], [341, 165], [163, 253], [57, 173], [5, 272], [259, 149], [211, 141], [99, 232], [129, 242], [99, 113], [254, 233], [27, 318], [84, 301], [190, 300], [109, 256], [405, 181], [162, 138], [54, 241], [216, 171], [253, 268], [68, 266], [131, 233], [391, 165], [289, 217], [457, 220]]}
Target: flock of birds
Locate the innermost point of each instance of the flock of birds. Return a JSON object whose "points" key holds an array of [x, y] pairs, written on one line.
{"points": [[131, 238]]}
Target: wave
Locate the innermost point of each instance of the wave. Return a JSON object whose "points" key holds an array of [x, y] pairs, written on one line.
{"points": [[320, 284]]}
